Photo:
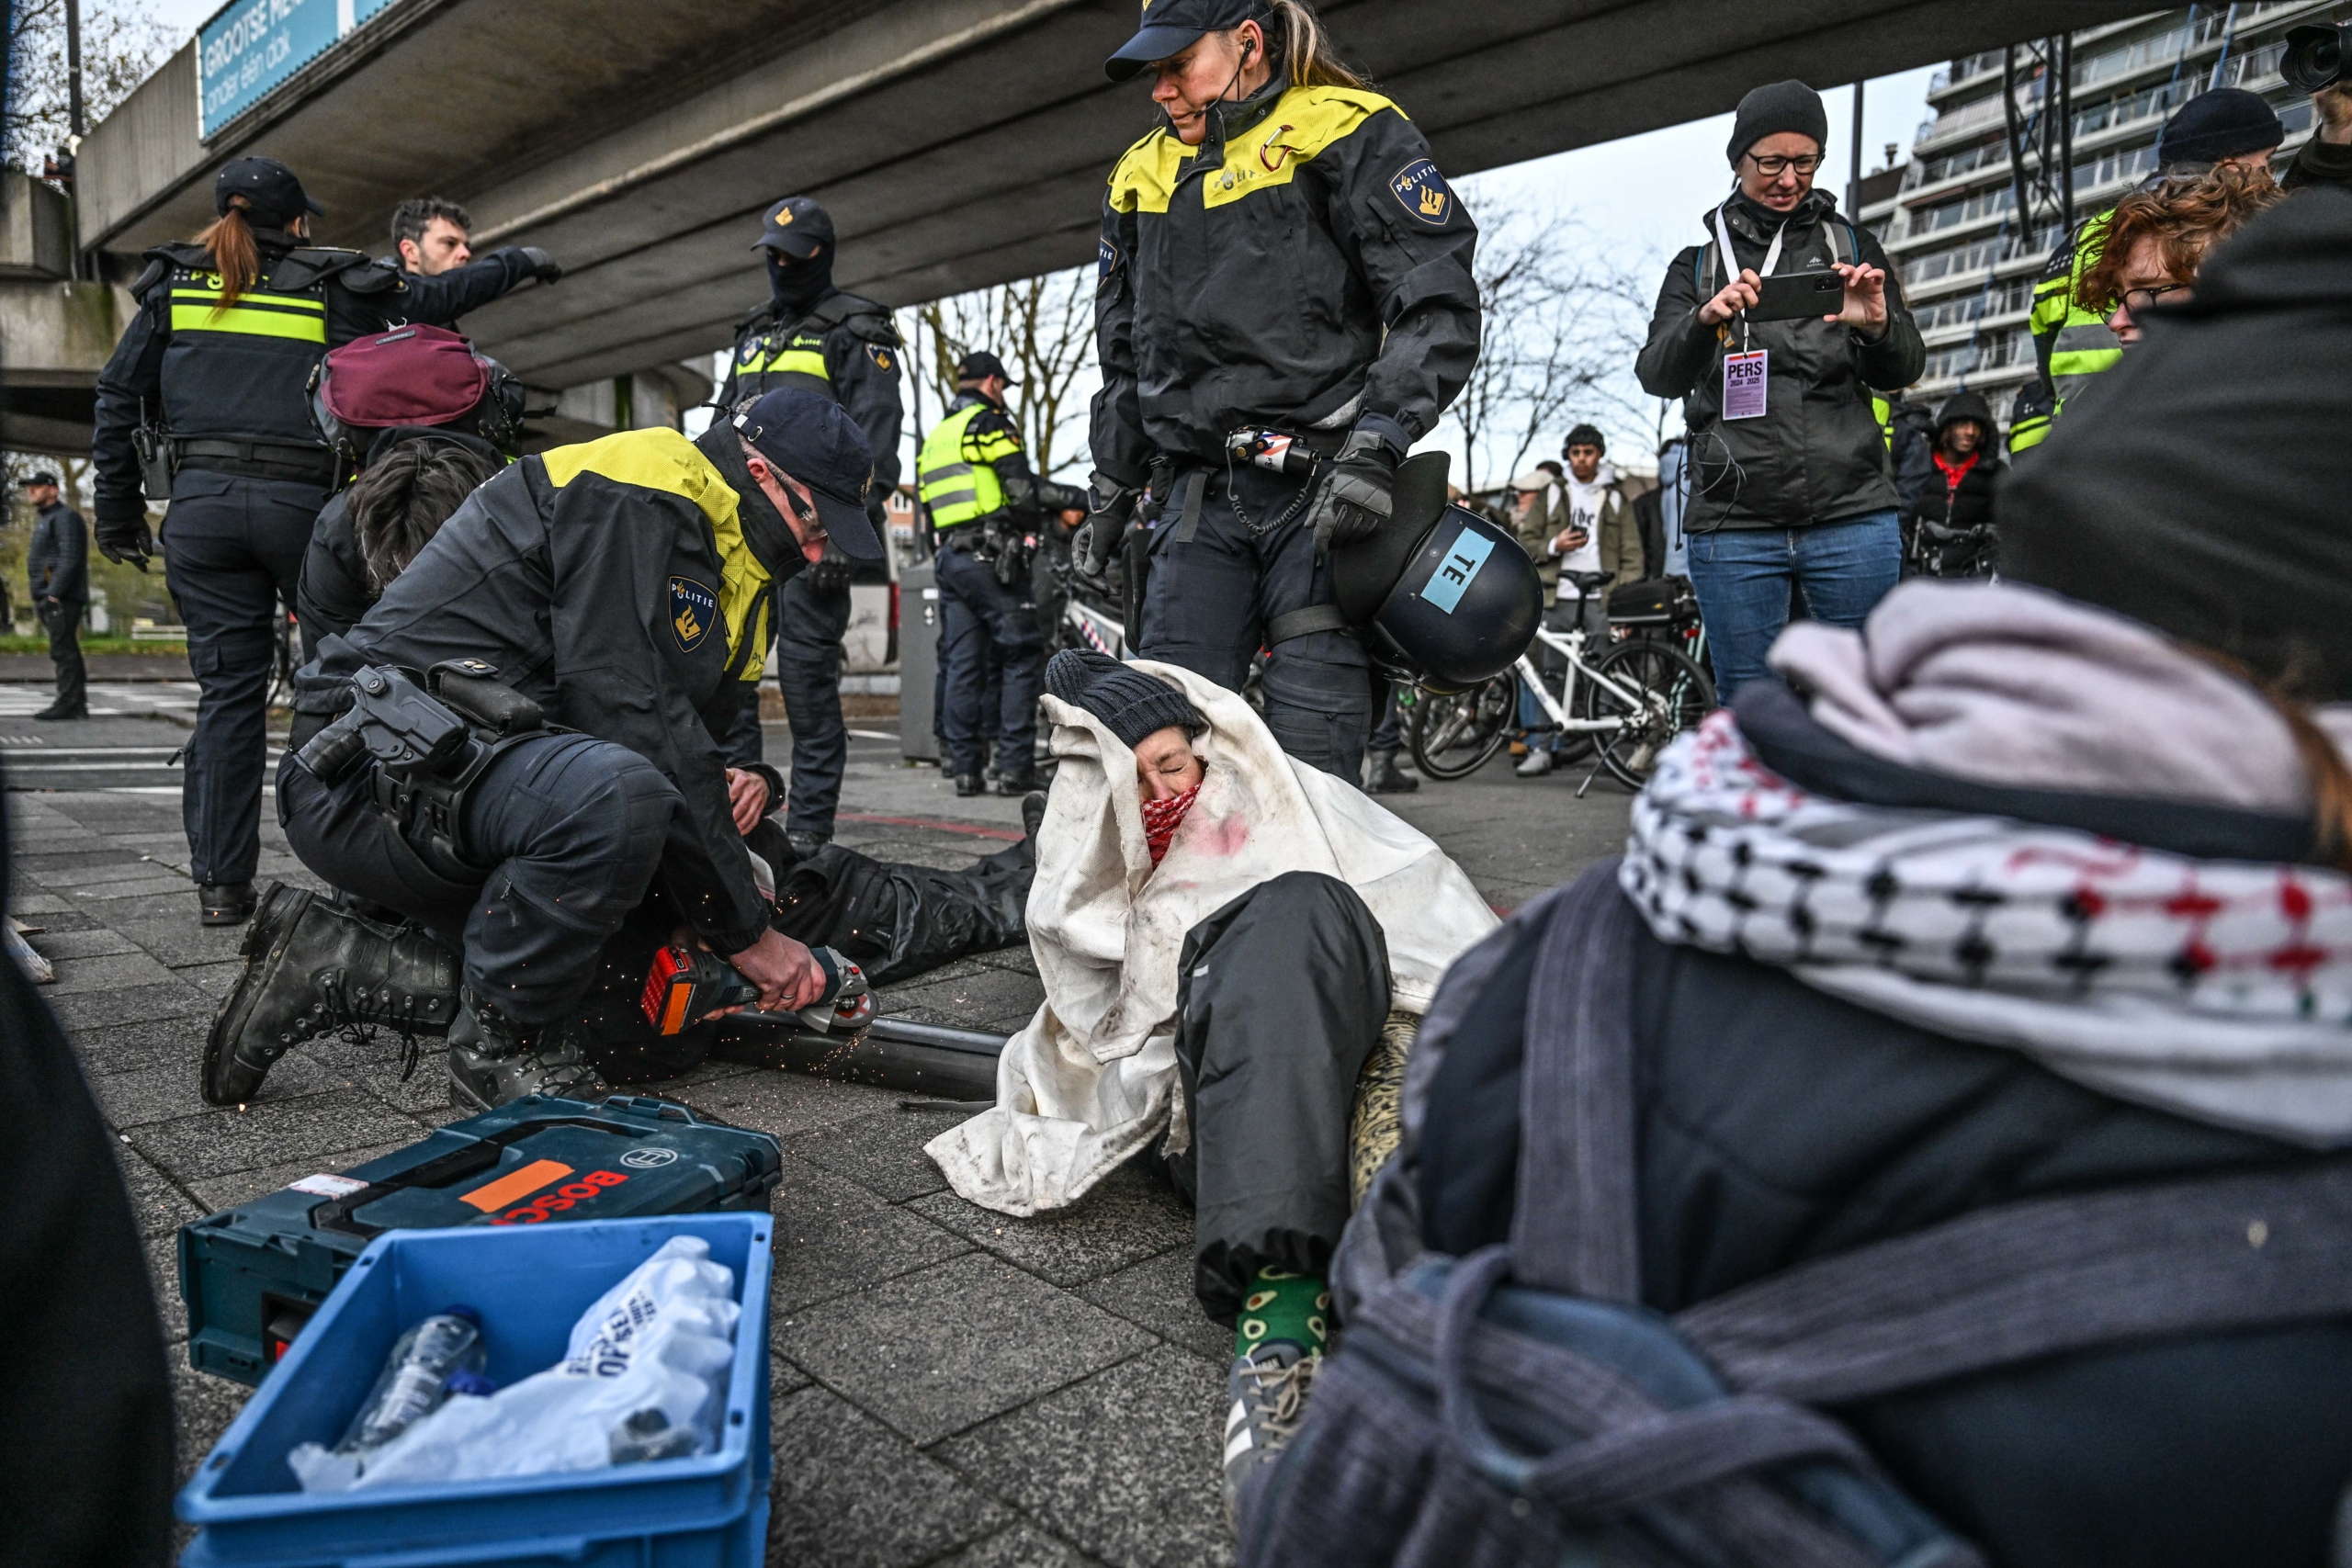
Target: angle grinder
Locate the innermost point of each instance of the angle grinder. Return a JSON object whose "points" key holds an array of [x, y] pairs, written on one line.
{"points": [[687, 985]]}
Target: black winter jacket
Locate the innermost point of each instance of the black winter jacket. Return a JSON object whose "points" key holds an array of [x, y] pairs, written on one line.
{"points": [[1306, 265], [1816, 454], [57, 562], [624, 585]]}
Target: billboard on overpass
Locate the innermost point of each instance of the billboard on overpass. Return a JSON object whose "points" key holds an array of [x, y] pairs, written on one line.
{"points": [[252, 47]]}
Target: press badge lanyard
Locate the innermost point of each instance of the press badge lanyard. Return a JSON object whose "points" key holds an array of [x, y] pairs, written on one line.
{"points": [[1745, 372]]}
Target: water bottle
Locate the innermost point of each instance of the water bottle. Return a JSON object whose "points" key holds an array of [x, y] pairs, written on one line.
{"points": [[442, 1355]]}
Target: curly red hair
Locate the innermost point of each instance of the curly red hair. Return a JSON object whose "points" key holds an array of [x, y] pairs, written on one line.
{"points": [[2186, 216]]}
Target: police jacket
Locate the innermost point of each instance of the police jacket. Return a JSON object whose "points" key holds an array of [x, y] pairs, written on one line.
{"points": [[57, 562], [2070, 344], [1816, 454], [238, 374], [845, 347], [972, 466], [1305, 266], [624, 585]]}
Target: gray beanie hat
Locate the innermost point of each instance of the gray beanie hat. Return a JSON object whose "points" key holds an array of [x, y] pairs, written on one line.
{"points": [[1771, 110], [1131, 704]]}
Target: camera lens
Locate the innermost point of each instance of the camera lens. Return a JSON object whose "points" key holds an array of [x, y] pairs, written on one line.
{"points": [[2313, 57]]}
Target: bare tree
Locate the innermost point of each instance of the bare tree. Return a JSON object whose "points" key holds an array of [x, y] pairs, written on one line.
{"points": [[1561, 327], [121, 45], [1043, 327]]}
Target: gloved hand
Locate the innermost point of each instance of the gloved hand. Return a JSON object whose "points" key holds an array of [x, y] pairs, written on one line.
{"points": [[543, 266], [1357, 495], [1110, 504], [125, 539], [829, 575]]}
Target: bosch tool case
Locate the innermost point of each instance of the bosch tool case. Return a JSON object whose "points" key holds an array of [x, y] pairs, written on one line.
{"points": [[252, 1274]]}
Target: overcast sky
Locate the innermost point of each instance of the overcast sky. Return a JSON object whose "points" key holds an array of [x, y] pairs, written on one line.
{"points": [[1643, 196]]}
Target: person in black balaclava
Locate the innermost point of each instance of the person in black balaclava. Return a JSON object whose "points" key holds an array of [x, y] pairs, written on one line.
{"points": [[812, 335]]}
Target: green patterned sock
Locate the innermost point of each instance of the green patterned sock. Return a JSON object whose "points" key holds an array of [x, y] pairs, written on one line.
{"points": [[1296, 1307]]}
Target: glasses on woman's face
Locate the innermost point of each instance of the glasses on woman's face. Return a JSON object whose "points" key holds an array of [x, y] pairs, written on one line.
{"points": [[2138, 299], [1773, 167]]}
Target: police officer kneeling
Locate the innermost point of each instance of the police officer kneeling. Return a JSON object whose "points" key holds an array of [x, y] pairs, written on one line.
{"points": [[587, 627]]}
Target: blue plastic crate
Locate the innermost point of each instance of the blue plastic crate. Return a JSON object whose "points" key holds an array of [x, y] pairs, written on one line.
{"points": [[530, 1285]]}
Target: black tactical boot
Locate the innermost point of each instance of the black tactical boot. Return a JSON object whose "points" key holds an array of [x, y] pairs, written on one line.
{"points": [[493, 1060], [226, 903], [1017, 784], [313, 964], [969, 785], [1387, 778]]}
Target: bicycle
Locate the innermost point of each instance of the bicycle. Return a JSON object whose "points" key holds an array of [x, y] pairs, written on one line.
{"points": [[1635, 698]]}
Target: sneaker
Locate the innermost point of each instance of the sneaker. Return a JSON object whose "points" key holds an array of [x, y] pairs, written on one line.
{"points": [[1269, 1388], [494, 1063], [313, 964], [1033, 814], [226, 903], [1538, 763]]}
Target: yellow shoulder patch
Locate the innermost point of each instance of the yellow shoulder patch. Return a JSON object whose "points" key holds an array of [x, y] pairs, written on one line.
{"points": [[1148, 172]]}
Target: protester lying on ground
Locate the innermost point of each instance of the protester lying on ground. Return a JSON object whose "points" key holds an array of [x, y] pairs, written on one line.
{"points": [[2156, 240], [1948, 533], [1793, 493], [2011, 899], [1223, 933]]}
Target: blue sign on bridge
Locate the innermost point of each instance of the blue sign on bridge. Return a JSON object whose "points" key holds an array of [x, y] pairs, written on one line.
{"points": [[250, 49]]}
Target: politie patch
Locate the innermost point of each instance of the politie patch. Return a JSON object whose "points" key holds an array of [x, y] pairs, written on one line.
{"points": [[1106, 259], [1422, 192], [694, 610], [880, 355]]}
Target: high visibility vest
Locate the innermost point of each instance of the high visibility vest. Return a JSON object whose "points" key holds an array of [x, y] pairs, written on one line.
{"points": [[953, 473], [242, 368], [1883, 411], [2071, 344]]}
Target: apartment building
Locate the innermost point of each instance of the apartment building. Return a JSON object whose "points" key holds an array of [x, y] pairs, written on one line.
{"points": [[1948, 216]]}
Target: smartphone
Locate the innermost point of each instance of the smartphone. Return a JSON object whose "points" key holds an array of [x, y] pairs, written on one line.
{"points": [[1792, 296]]}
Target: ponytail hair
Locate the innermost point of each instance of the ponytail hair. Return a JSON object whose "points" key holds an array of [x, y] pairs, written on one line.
{"points": [[1297, 37], [236, 256]]}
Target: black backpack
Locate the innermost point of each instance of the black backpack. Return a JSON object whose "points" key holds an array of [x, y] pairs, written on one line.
{"points": [[1520, 1406]]}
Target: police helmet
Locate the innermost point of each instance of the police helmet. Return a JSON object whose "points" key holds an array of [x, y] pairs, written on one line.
{"points": [[1442, 596]]}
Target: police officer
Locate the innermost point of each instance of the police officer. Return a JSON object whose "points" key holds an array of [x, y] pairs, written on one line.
{"points": [[206, 396], [1285, 305], [813, 336], [57, 568], [639, 631], [986, 514]]}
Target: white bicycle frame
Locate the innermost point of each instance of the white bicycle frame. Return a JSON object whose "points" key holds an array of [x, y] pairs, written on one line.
{"points": [[1570, 645]]}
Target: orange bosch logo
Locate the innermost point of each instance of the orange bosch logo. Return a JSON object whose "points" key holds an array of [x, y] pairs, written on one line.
{"points": [[537, 1175]]}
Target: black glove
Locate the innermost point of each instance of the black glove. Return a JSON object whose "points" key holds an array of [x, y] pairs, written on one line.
{"points": [[1110, 505], [543, 266], [125, 539], [1357, 495], [829, 575]]}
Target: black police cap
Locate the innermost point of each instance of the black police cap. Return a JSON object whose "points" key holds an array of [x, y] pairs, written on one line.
{"points": [[1171, 25], [979, 364], [797, 226], [807, 435], [34, 482], [274, 195]]}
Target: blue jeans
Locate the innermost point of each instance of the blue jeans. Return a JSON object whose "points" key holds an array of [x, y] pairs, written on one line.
{"points": [[1744, 578]]}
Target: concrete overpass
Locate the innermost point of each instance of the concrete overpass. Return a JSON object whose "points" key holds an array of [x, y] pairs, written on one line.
{"points": [[958, 143]]}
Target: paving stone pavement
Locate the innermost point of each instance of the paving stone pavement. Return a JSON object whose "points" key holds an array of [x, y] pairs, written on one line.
{"points": [[952, 1387]]}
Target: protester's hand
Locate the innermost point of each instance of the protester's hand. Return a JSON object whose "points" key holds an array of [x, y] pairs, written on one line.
{"points": [[1568, 539], [125, 540], [1865, 300], [1737, 295], [2333, 103], [789, 975], [747, 795]]}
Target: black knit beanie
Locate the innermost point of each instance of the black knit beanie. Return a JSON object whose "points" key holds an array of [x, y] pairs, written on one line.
{"points": [[1771, 110], [2221, 124], [1132, 703]]}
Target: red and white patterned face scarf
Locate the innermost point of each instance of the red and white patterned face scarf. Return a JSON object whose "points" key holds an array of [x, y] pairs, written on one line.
{"points": [[1162, 817]]}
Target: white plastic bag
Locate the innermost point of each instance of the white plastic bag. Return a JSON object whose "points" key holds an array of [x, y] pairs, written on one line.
{"points": [[659, 1344]]}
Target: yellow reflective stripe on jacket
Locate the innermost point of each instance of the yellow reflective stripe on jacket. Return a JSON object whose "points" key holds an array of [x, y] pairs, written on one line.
{"points": [[2028, 431], [1301, 124], [951, 472], [2080, 345], [1883, 411], [196, 309], [662, 459], [804, 355]]}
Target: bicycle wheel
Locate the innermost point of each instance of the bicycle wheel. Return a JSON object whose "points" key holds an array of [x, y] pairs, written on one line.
{"points": [[1675, 695], [1453, 734]]}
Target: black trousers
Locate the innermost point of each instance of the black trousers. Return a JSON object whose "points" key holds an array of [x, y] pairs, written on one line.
{"points": [[1283, 995], [981, 618], [1389, 733], [232, 550], [570, 831], [63, 621], [809, 626], [1230, 554]]}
